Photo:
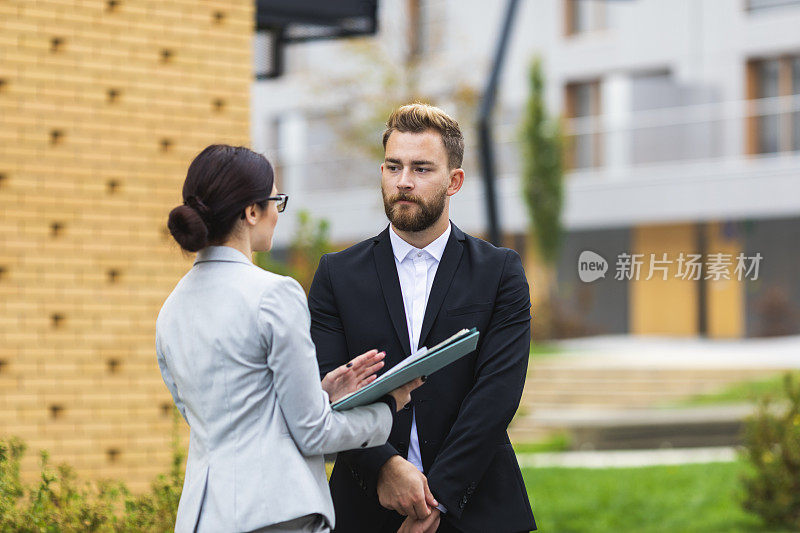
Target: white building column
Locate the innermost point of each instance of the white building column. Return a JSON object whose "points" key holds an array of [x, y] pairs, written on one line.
{"points": [[615, 109], [291, 145]]}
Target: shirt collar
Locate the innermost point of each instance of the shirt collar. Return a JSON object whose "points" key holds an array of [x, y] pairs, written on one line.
{"points": [[401, 248], [221, 253]]}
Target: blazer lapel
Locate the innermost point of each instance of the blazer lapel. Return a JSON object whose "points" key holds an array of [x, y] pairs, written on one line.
{"points": [[442, 281], [390, 285]]}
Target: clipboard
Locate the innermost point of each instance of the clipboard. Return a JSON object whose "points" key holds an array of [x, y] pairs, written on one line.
{"points": [[421, 363]]}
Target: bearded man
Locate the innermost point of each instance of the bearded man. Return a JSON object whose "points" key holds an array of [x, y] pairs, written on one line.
{"points": [[448, 465]]}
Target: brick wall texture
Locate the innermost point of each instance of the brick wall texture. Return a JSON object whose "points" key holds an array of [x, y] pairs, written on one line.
{"points": [[103, 104]]}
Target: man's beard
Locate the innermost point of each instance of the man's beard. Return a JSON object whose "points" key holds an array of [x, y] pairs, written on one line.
{"points": [[406, 218]]}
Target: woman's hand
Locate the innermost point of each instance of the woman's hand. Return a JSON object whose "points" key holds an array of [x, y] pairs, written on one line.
{"points": [[350, 377]]}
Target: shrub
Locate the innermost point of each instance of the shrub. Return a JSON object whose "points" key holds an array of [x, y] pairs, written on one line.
{"points": [[156, 510], [58, 503], [772, 448]]}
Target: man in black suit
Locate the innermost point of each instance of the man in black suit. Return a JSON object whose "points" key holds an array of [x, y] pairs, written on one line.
{"points": [[448, 465]]}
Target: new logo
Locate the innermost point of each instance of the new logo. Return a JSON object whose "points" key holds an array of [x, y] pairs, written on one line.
{"points": [[591, 266]]}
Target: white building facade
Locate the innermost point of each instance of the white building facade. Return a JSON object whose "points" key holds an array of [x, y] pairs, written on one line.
{"points": [[683, 119]]}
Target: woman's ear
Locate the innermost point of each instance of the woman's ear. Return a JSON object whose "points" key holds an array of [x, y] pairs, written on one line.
{"points": [[251, 214]]}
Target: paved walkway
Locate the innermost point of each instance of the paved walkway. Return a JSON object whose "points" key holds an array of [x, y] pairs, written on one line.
{"points": [[589, 417], [631, 351], [627, 458]]}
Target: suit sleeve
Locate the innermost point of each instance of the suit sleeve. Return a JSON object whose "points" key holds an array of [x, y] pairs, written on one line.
{"points": [[314, 426], [490, 404], [328, 335], [169, 381]]}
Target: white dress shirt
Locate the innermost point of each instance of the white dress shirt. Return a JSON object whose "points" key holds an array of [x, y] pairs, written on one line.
{"points": [[416, 269]]}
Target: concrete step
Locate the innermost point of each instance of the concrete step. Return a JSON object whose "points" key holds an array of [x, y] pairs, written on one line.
{"points": [[628, 458], [567, 384], [534, 389], [566, 379], [582, 385], [602, 397], [579, 372], [622, 429]]}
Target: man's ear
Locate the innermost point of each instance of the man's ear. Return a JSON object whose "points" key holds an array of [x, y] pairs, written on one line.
{"points": [[456, 181]]}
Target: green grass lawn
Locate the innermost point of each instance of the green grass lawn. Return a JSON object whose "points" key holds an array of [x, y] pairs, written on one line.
{"points": [[558, 442], [678, 499], [742, 392], [540, 351]]}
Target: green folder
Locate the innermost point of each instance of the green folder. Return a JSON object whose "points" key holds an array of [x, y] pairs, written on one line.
{"points": [[441, 355]]}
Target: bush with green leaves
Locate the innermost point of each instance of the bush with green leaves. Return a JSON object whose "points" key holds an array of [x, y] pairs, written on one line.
{"points": [[772, 449], [310, 242], [57, 502]]}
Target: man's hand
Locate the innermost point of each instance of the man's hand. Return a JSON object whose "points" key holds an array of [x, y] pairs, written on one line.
{"points": [[403, 488], [350, 377], [427, 525]]}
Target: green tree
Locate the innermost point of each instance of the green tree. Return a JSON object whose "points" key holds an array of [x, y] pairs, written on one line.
{"points": [[381, 84], [542, 151]]}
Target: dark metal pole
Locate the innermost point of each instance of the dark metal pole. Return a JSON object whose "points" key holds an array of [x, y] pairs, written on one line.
{"points": [[702, 290], [485, 127]]}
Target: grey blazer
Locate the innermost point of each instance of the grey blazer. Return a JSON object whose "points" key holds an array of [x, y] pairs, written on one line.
{"points": [[234, 350]]}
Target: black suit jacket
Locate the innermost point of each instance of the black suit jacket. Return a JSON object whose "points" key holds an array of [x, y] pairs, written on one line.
{"points": [[463, 410]]}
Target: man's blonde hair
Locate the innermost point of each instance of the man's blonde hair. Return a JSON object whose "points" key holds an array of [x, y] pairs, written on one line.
{"points": [[419, 117]]}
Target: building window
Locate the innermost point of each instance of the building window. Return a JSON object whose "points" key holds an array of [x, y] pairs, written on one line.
{"points": [[582, 16], [773, 87], [584, 135], [672, 120], [764, 5]]}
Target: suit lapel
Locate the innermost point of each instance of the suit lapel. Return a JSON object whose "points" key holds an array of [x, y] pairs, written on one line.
{"points": [[390, 285], [442, 281]]}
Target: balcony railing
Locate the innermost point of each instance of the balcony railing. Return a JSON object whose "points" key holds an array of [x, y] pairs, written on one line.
{"points": [[610, 146], [723, 130]]}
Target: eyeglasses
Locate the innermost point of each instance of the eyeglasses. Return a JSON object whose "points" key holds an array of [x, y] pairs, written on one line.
{"points": [[282, 200]]}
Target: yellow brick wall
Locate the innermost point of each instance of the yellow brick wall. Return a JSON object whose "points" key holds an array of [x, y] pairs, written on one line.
{"points": [[103, 104]]}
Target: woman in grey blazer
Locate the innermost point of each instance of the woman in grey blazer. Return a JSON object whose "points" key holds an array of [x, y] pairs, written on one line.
{"points": [[235, 352]]}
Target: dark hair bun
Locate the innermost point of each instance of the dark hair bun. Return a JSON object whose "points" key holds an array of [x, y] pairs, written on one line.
{"points": [[188, 228], [220, 183]]}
